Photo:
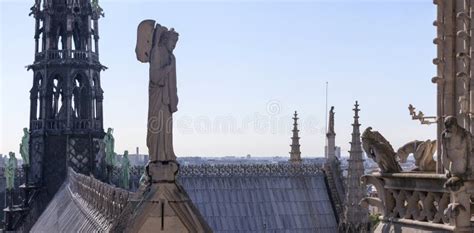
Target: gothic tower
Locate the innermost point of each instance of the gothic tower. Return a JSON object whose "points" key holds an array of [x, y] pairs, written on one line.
{"points": [[295, 154], [355, 217], [66, 98]]}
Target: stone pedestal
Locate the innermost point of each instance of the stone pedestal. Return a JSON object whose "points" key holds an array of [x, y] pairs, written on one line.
{"points": [[163, 206], [163, 171]]}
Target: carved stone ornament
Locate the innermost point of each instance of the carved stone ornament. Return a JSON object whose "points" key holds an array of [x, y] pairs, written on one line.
{"points": [[380, 150]]}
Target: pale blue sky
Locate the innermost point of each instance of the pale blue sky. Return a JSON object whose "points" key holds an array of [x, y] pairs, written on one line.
{"points": [[250, 64]]}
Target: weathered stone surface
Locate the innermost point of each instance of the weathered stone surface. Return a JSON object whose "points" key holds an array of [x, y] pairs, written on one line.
{"points": [[161, 204], [155, 44], [355, 217], [331, 136], [457, 148], [422, 151], [380, 150]]}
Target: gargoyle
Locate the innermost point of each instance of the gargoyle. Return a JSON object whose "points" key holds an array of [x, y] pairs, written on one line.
{"points": [[380, 150], [456, 152], [423, 152]]}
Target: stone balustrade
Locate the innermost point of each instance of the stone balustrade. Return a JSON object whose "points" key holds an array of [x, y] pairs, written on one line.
{"points": [[52, 55], [417, 199], [223, 170], [55, 124], [102, 197], [250, 170]]}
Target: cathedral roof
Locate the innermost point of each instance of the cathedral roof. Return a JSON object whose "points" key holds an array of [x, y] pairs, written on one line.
{"points": [[261, 198], [82, 204], [231, 198], [66, 213]]}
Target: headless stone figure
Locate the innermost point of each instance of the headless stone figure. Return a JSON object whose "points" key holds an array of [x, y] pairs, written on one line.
{"points": [[155, 45]]}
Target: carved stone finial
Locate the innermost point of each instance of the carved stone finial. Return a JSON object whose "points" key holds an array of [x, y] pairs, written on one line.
{"points": [[355, 216], [295, 154], [421, 116]]}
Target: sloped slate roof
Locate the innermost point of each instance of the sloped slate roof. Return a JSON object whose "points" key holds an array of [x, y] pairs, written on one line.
{"points": [[66, 213], [279, 198], [82, 204], [261, 198]]}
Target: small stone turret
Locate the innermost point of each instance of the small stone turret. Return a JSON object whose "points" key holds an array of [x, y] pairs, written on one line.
{"points": [[355, 216], [295, 153]]}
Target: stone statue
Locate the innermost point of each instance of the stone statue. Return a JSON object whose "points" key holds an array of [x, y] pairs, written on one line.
{"points": [[96, 8], [10, 171], [35, 9], [380, 150], [125, 171], [145, 179], [155, 44], [109, 142], [25, 147], [456, 151], [423, 152], [331, 120]]}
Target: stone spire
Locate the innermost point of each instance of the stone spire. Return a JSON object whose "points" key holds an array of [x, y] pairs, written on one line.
{"points": [[355, 217], [295, 154], [331, 137]]}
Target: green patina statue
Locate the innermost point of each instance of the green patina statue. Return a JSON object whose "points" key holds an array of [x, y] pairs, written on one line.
{"points": [[25, 147], [125, 171], [95, 7], [10, 171], [109, 142]]}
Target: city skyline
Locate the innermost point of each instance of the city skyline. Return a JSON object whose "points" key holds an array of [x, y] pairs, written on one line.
{"points": [[255, 65]]}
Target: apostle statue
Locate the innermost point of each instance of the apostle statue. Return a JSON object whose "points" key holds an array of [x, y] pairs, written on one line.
{"points": [[155, 45], [25, 147], [125, 171], [10, 171], [109, 142], [96, 9]]}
